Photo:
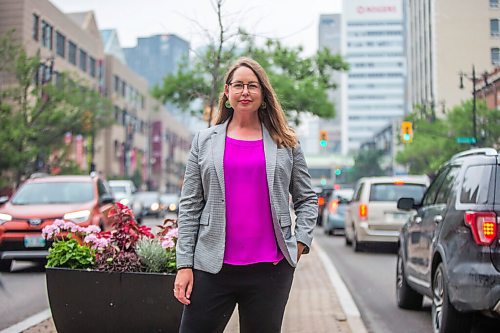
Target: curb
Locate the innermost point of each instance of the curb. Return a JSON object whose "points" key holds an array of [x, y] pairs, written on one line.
{"points": [[28, 322], [347, 303]]}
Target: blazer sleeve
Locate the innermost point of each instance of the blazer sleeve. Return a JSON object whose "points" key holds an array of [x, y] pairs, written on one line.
{"points": [[305, 201], [191, 205]]}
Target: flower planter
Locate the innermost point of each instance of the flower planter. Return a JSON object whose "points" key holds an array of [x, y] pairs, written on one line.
{"points": [[92, 301]]}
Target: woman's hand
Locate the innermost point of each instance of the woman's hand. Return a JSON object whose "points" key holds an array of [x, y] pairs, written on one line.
{"points": [[300, 249], [183, 285]]}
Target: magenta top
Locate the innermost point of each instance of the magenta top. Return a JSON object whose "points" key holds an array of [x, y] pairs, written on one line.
{"points": [[250, 235]]}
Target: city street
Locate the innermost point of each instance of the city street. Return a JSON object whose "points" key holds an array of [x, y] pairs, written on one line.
{"points": [[370, 277]]}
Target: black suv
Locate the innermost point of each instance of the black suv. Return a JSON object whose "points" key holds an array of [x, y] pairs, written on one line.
{"points": [[450, 250]]}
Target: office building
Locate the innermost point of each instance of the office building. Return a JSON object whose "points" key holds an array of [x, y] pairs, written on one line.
{"points": [[445, 38], [375, 83]]}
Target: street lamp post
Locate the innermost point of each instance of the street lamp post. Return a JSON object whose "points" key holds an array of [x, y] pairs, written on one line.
{"points": [[473, 78]]}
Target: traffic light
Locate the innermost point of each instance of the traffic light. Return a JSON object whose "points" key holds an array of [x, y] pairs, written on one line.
{"points": [[338, 171], [323, 138], [406, 131]]}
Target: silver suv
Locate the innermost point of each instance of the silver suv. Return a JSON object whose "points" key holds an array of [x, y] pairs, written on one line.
{"points": [[373, 216]]}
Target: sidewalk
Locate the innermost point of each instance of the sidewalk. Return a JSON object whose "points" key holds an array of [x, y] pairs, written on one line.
{"points": [[314, 304]]}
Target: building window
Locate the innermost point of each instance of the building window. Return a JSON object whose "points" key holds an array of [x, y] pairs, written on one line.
{"points": [[47, 31], [495, 27], [494, 3], [36, 26], [495, 56], [124, 89], [117, 83], [92, 66], [72, 53], [60, 44], [83, 60]]}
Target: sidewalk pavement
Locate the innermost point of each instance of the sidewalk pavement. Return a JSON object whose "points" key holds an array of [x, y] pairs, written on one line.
{"points": [[319, 302]]}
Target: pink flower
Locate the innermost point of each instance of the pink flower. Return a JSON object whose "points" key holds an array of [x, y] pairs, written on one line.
{"points": [[49, 231], [168, 243], [91, 229], [173, 233]]}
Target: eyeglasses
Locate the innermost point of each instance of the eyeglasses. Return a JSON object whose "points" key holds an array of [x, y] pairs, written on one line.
{"points": [[253, 87]]}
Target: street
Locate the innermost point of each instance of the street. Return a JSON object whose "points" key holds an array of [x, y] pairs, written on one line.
{"points": [[370, 277]]}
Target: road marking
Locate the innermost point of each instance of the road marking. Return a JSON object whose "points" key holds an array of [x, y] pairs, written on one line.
{"points": [[343, 294], [28, 322]]}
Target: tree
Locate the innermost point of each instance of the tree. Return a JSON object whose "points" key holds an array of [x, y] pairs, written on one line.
{"points": [[434, 142], [301, 83], [366, 164], [35, 112]]}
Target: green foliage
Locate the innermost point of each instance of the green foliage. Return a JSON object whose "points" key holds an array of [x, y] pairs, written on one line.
{"points": [[154, 257], [301, 83], [68, 253], [34, 116], [366, 164], [434, 141]]}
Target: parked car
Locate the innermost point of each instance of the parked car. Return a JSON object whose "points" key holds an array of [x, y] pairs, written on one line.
{"points": [[372, 215], [169, 202], [150, 202], [334, 212], [449, 250], [124, 192], [38, 202], [323, 193]]}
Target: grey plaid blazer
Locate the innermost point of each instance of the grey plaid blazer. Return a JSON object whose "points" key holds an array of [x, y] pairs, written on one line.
{"points": [[202, 210]]}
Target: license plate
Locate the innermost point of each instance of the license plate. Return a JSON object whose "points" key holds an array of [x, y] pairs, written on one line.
{"points": [[34, 241]]}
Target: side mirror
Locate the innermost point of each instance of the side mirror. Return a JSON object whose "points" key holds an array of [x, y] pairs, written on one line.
{"points": [[106, 198], [3, 199], [406, 204]]}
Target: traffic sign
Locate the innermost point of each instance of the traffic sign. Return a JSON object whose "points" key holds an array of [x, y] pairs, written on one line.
{"points": [[464, 139]]}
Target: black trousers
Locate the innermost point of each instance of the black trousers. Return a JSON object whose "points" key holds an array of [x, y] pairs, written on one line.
{"points": [[260, 290]]}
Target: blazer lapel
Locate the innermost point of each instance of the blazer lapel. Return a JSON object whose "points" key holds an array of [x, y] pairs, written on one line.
{"points": [[270, 149], [218, 146]]}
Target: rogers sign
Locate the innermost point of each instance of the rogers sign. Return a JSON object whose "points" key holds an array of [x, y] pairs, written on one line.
{"points": [[376, 9]]}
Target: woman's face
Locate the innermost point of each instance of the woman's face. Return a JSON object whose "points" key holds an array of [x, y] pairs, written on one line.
{"points": [[244, 92]]}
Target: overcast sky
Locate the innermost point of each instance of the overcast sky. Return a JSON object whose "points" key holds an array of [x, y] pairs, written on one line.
{"points": [[295, 22]]}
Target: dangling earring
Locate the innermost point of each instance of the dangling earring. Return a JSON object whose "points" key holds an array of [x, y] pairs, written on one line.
{"points": [[263, 105], [227, 104]]}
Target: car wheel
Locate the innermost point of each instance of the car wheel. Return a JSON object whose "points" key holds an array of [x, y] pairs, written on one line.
{"points": [[348, 242], [5, 265], [407, 298], [356, 245], [445, 318]]}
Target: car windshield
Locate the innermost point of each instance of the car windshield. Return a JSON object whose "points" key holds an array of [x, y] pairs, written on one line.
{"points": [[54, 193], [394, 192], [169, 198], [118, 189]]}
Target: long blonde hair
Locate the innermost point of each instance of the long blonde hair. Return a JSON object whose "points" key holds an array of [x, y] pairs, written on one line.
{"points": [[272, 115]]}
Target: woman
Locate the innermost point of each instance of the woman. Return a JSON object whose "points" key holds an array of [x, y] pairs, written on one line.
{"points": [[235, 242]]}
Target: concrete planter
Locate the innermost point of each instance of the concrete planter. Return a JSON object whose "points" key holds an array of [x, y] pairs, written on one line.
{"points": [[91, 301]]}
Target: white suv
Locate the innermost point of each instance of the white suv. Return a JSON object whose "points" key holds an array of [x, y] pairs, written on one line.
{"points": [[373, 216], [124, 192]]}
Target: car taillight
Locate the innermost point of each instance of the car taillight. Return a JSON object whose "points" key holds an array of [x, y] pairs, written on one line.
{"points": [[363, 211], [321, 201], [333, 206], [483, 226]]}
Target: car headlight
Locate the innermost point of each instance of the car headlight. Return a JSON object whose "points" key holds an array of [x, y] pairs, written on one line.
{"points": [[155, 206], [124, 201], [77, 217], [5, 218], [172, 206]]}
